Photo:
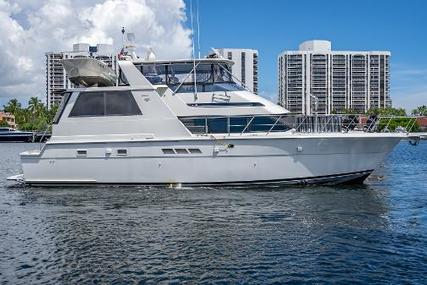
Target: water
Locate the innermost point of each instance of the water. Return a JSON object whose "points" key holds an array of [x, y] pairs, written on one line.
{"points": [[374, 233]]}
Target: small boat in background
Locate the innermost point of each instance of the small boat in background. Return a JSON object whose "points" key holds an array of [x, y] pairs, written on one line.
{"points": [[12, 135], [86, 71]]}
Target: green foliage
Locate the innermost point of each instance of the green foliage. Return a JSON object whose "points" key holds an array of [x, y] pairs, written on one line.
{"points": [[36, 117], [393, 123], [420, 111], [3, 124], [387, 111]]}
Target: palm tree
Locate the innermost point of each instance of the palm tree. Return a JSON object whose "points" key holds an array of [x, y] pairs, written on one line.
{"points": [[420, 111], [34, 105], [13, 106]]}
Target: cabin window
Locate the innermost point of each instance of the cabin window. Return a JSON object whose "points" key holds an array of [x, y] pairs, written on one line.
{"points": [[194, 150], [89, 104], [181, 151], [244, 124], [168, 151], [217, 125], [110, 103], [226, 104], [64, 102], [210, 77], [238, 124], [119, 103], [195, 125]]}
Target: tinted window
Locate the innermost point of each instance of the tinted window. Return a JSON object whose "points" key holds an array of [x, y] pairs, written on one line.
{"points": [[111, 103], [217, 125], [238, 124], [121, 104], [89, 104], [195, 125], [61, 108]]}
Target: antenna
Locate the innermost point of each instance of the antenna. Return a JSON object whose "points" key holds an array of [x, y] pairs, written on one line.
{"points": [[192, 44], [198, 29], [123, 37]]}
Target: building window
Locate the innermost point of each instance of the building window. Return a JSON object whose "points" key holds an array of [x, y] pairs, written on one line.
{"points": [[243, 67], [230, 55]]}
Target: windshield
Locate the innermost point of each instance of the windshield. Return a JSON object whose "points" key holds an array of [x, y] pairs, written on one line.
{"points": [[180, 78]]}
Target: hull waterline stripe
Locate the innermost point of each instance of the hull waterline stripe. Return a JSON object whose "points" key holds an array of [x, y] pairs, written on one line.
{"points": [[303, 180]]}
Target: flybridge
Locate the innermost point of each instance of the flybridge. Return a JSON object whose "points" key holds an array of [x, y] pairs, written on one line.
{"points": [[182, 76]]}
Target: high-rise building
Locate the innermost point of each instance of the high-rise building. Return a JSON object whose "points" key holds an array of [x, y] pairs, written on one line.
{"points": [[245, 67], [56, 77], [337, 80]]}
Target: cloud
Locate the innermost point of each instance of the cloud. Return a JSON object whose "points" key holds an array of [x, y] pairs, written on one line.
{"points": [[29, 29]]}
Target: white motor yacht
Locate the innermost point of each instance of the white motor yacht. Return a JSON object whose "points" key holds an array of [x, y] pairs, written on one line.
{"points": [[187, 122]]}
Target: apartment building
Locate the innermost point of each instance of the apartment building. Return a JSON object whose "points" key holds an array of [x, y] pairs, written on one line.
{"points": [[8, 118], [336, 80], [245, 68], [56, 77]]}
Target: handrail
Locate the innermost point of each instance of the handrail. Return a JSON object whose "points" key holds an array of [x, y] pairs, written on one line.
{"points": [[186, 77], [300, 123], [275, 123], [247, 125]]}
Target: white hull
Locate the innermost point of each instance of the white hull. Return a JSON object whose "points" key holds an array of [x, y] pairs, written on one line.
{"points": [[296, 159]]}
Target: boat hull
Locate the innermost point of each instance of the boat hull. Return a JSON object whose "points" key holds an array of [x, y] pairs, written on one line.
{"points": [[303, 160]]}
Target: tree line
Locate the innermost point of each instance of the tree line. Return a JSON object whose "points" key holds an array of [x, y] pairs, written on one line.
{"points": [[35, 117], [389, 111]]}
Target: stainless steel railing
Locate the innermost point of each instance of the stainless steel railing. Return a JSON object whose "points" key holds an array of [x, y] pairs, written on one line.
{"points": [[299, 123]]}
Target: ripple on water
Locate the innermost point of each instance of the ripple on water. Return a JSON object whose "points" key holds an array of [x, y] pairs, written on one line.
{"points": [[345, 234]]}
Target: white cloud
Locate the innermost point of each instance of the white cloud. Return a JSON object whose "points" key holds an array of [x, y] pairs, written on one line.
{"points": [[29, 29]]}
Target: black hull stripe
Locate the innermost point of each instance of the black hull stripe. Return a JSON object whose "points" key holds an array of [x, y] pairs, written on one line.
{"points": [[356, 177]]}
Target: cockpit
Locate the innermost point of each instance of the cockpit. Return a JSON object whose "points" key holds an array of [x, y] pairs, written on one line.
{"points": [[179, 76]]}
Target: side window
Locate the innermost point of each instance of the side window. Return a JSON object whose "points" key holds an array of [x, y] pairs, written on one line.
{"points": [[61, 108], [110, 103], [217, 125], [89, 104], [121, 103]]}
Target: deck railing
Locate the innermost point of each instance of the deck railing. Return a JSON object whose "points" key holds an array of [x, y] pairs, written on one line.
{"points": [[299, 123]]}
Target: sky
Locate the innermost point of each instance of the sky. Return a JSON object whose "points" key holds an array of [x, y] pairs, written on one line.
{"points": [[272, 26], [31, 28]]}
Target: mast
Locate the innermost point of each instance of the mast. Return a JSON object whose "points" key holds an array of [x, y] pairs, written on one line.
{"points": [[198, 28], [193, 52]]}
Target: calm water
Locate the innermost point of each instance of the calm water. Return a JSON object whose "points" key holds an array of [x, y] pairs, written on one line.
{"points": [[374, 233]]}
